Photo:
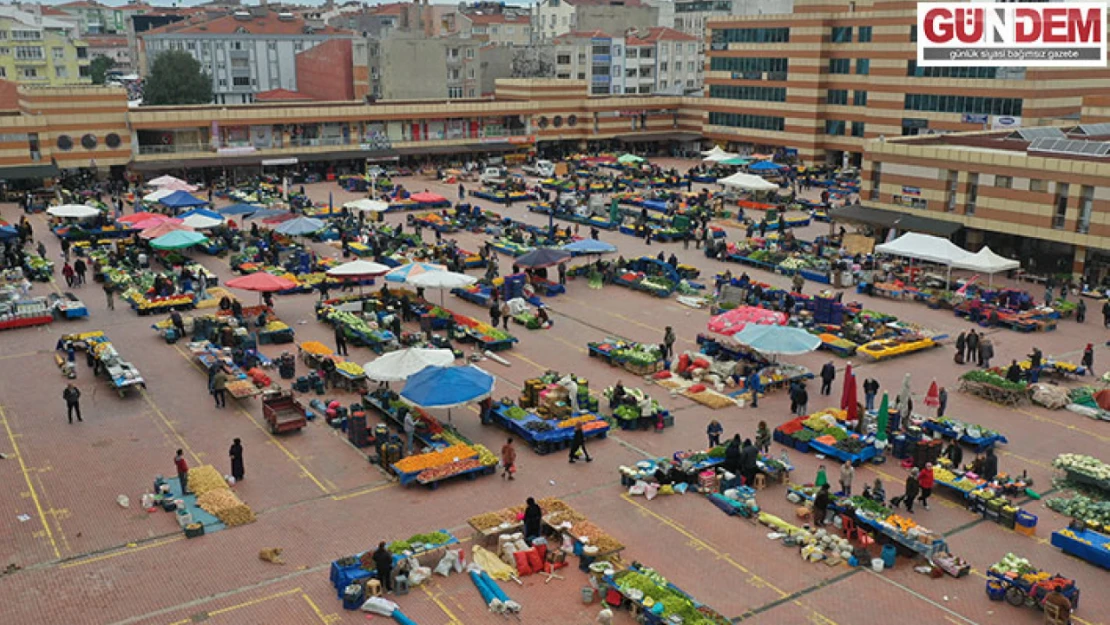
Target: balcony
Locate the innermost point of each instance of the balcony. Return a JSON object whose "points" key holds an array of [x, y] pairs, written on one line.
{"points": [[180, 148], [318, 141]]}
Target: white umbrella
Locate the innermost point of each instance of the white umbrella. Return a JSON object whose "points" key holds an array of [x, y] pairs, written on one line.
{"points": [[157, 195], [398, 366], [367, 206], [162, 181], [200, 222], [358, 269], [442, 280], [77, 211], [748, 182]]}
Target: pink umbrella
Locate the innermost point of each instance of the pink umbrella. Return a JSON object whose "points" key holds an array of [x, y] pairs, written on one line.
{"points": [[730, 322], [261, 282], [137, 217], [849, 381], [179, 185], [156, 230], [932, 398]]}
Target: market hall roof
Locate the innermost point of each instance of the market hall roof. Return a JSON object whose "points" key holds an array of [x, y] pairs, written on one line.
{"points": [[894, 219]]}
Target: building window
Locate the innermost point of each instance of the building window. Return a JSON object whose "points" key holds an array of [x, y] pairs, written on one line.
{"points": [[3, 72], [61, 72], [470, 73], [1004, 182], [950, 190], [858, 129], [29, 53], [863, 66], [836, 96], [840, 66], [563, 59], [750, 35], [859, 98], [58, 53], [745, 120], [663, 66], [835, 127], [913, 32], [84, 71], [1086, 204], [865, 34], [581, 75], [963, 104], [471, 93], [454, 92], [241, 81], [876, 180], [759, 94], [662, 84], [88, 141], [29, 72], [972, 193], [1038, 186], [841, 34], [750, 68], [956, 72], [1061, 213], [223, 82], [82, 53]]}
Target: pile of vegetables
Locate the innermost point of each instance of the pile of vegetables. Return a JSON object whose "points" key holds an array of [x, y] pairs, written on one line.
{"points": [[538, 426], [804, 435], [869, 505], [1090, 511], [625, 412], [638, 354], [989, 377], [445, 471], [850, 445], [420, 462], [397, 547], [516, 413], [1083, 465], [1013, 566], [970, 429], [654, 590]]}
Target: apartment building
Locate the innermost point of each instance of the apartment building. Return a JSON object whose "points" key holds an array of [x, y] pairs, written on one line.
{"points": [[410, 66], [656, 61], [40, 50], [691, 16], [551, 18], [834, 75], [500, 29], [95, 18], [113, 47], [259, 50]]}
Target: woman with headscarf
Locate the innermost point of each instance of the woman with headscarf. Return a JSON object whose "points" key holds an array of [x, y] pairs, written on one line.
{"points": [[533, 520], [732, 456], [236, 454]]}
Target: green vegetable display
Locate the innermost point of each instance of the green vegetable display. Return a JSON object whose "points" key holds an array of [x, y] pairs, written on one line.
{"points": [[803, 435], [432, 539], [516, 413], [655, 590], [870, 505], [993, 379], [1090, 511]]}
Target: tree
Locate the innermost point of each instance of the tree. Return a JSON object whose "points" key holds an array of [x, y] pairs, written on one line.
{"points": [[98, 67], [176, 78], [533, 62]]}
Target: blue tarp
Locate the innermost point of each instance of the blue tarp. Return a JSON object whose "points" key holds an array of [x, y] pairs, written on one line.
{"points": [[240, 209], [772, 339], [300, 226], [765, 166], [181, 199], [8, 232], [445, 387], [589, 246], [541, 257]]}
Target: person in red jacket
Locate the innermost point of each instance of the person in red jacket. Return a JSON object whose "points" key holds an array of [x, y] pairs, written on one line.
{"points": [[925, 480], [182, 471]]}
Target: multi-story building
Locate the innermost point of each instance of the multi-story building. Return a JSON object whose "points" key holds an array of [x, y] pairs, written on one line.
{"points": [[41, 50], [833, 75], [1038, 194], [659, 60], [254, 51], [691, 16], [551, 18], [411, 66], [95, 18], [500, 29], [113, 47]]}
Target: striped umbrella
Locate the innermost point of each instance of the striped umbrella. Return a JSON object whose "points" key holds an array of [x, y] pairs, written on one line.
{"points": [[404, 272]]}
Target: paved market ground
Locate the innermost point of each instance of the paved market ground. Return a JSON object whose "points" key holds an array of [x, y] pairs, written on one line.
{"points": [[84, 559]]}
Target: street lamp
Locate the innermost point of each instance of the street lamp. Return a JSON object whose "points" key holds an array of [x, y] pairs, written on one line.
{"points": [[374, 171]]}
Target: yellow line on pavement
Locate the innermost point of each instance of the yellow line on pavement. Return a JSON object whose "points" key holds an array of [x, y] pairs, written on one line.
{"points": [[21, 355], [451, 615], [578, 348], [245, 604], [30, 485], [366, 491], [121, 552], [326, 619], [1065, 425], [273, 439], [177, 435], [1039, 463]]}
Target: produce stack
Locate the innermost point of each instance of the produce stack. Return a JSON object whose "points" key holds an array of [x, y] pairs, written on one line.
{"points": [[215, 498]]}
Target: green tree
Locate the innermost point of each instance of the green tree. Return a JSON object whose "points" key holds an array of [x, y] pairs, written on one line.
{"points": [[176, 78], [98, 67]]}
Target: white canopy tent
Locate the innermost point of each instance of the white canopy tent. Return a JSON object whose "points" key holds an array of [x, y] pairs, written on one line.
{"points": [[914, 245], [162, 181], [154, 196], [367, 206], [748, 182], [714, 152], [717, 158], [986, 261]]}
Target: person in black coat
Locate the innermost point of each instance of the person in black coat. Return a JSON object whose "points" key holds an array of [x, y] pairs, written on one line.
{"points": [[828, 374], [340, 341], [912, 489], [579, 443], [533, 518], [990, 466], [236, 454], [961, 345], [954, 453], [821, 506], [749, 455], [732, 462], [383, 562]]}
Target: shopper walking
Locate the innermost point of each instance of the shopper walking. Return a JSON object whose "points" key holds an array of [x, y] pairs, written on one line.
{"points": [[578, 443], [802, 400], [847, 473], [410, 431], [942, 399], [219, 388], [1088, 360], [182, 471], [80, 269], [668, 342], [68, 273], [870, 390], [236, 455], [506, 314], [1081, 311], [72, 395], [495, 314], [925, 481], [821, 506], [110, 294], [340, 340], [828, 374], [508, 460], [912, 490]]}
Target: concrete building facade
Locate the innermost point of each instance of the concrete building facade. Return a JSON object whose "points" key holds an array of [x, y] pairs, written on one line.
{"points": [[656, 61], [551, 18], [113, 47], [836, 74], [40, 50]]}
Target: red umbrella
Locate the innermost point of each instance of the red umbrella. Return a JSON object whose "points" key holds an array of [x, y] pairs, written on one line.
{"points": [[261, 282], [137, 217], [932, 398], [852, 404], [849, 381]]}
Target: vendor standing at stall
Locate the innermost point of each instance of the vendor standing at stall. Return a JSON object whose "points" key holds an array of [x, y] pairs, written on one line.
{"points": [[236, 455], [533, 520], [713, 431], [383, 562], [182, 471]]}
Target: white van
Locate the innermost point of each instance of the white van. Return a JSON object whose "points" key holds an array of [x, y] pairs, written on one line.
{"points": [[540, 169], [494, 175]]}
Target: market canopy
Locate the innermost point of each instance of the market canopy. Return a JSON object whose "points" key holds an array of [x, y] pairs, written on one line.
{"points": [[261, 282], [73, 211], [542, 257], [447, 387], [239, 209], [720, 157], [713, 152], [766, 166], [358, 269], [445, 280], [402, 273], [181, 199], [589, 246], [402, 364], [152, 229], [777, 339], [155, 196], [986, 261], [904, 222], [736, 161], [630, 159], [162, 181], [177, 240], [427, 197], [733, 321], [140, 216], [748, 182], [179, 185], [366, 205], [200, 219], [925, 247], [300, 226]]}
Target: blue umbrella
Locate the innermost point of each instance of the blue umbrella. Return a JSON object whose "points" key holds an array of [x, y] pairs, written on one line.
{"points": [[589, 246], [446, 387], [772, 339], [300, 226], [203, 212], [239, 209], [181, 199], [765, 166], [541, 257], [8, 232], [268, 212]]}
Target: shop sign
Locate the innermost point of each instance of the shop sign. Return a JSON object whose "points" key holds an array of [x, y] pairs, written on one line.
{"points": [[1003, 122], [914, 191], [970, 118], [236, 151]]}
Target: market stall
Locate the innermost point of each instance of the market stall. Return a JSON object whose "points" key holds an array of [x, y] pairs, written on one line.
{"points": [[827, 432], [547, 413], [104, 359], [636, 358], [242, 383], [1085, 544], [993, 387], [649, 594], [18, 310], [634, 409], [975, 436], [1016, 580]]}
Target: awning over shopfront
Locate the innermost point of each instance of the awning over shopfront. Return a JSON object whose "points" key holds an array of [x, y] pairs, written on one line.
{"points": [[249, 159], [47, 170], [893, 219], [658, 136]]}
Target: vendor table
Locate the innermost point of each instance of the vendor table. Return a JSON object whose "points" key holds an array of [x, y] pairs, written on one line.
{"points": [[207, 354], [542, 442], [1095, 549], [980, 443], [994, 393], [865, 454]]}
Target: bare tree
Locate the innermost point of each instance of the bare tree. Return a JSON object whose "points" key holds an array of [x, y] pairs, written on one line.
{"points": [[533, 62]]}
